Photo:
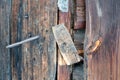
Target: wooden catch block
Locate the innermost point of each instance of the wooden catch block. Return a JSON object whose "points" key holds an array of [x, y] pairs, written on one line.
{"points": [[66, 45]]}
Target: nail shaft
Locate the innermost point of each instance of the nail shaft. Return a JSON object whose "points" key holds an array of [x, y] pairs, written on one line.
{"points": [[21, 42]]}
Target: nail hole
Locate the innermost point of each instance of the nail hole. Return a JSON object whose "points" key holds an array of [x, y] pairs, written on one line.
{"points": [[64, 44], [26, 16], [46, 30], [33, 59], [29, 34]]}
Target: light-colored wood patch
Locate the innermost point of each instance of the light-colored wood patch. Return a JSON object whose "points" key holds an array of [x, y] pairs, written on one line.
{"points": [[66, 44]]}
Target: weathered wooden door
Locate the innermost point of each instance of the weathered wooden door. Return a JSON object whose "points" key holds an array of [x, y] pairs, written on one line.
{"points": [[102, 41], [39, 59], [20, 20], [35, 60]]}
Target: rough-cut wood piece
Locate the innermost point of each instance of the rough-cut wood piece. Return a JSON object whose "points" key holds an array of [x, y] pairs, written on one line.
{"points": [[35, 60], [79, 18], [5, 10], [78, 37], [66, 44], [102, 62]]}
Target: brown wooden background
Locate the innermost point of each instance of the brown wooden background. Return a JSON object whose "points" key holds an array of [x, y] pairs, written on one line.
{"points": [[103, 23], [39, 59]]}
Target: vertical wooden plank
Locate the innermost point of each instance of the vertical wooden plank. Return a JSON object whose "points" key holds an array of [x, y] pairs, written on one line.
{"points": [[16, 36], [102, 62], [79, 18], [35, 60], [64, 71], [66, 45], [5, 11]]}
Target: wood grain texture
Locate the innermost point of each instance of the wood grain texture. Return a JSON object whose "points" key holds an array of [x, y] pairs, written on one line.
{"points": [[79, 18], [5, 10], [16, 36], [65, 72], [102, 22], [66, 45], [35, 60]]}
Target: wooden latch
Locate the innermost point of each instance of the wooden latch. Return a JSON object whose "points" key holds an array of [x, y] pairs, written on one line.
{"points": [[66, 45]]}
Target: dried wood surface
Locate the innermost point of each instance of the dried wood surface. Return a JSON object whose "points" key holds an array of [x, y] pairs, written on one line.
{"points": [[66, 45], [79, 18], [5, 10], [103, 24], [35, 60], [64, 71]]}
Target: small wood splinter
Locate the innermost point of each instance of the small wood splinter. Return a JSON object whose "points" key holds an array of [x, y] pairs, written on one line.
{"points": [[21, 42]]}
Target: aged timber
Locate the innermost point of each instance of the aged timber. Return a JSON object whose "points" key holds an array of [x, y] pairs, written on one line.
{"points": [[66, 44], [64, 71], [5, 10], [79, 18], [102, 41], [35, 60]]}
